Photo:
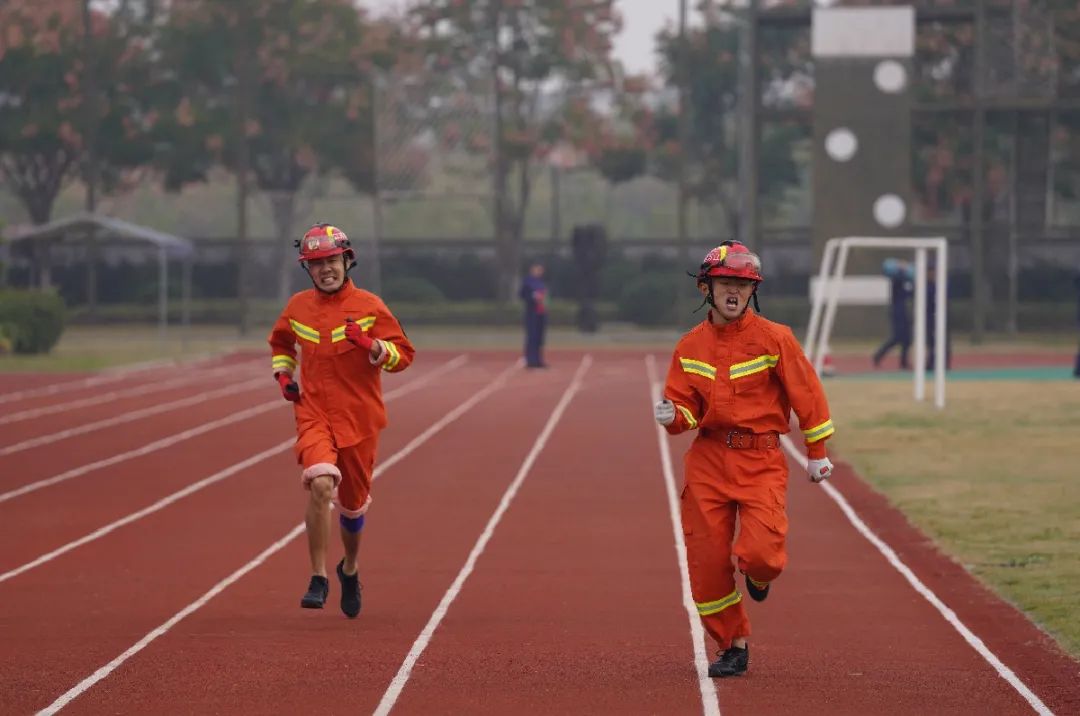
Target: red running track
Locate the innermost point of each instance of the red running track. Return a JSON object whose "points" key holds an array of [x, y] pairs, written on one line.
{"points": [[574, 602]]}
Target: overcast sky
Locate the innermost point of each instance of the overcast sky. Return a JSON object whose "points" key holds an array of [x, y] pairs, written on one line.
{"points": [[642, 19]]}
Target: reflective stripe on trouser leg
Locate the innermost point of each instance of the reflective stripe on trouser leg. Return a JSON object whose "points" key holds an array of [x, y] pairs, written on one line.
{"points": [[708, 529]]}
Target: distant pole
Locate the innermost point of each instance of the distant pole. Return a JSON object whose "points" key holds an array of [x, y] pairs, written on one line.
{"points": [[975, 221], [241, 110], [683, 74], [556, 208], [748, 137], [374, 276], [93, 170]]}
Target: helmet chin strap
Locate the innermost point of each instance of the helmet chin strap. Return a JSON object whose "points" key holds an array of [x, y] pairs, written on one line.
{"points": [[710, 301]]}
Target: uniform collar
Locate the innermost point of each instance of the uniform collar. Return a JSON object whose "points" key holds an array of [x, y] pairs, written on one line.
{"points": [[744, 321], [347, 289]]}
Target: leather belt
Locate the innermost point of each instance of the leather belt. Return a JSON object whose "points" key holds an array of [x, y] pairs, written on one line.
{"points": [[744, 439]]}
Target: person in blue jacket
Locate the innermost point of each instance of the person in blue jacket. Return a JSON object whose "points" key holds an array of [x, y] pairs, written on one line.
{"points": [[901, 289], [535, 295], [1076, 282]]}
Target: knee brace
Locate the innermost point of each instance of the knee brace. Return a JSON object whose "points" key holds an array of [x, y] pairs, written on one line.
{"points": [[351, 524]]}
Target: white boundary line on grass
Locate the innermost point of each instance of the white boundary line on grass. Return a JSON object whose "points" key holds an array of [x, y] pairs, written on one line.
{"points": [[710, 702], [205, 428], [196, 486], [398, 683], [950, 616], [101, 673]]}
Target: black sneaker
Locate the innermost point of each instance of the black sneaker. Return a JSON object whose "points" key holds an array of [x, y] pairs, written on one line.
{"points": [[758, 594], [317, 590], [732, 662], [350, 591]]}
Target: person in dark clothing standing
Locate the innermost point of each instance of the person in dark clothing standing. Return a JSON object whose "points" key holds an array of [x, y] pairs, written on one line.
{"points": [[900, 291], [534, 294], [1076, 282]]}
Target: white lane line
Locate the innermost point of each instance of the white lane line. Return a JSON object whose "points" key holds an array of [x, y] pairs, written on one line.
{"points": [[134, 391], [950, 616], [109, 375], [207, 427], [402, 676], [710, 703], [132, 416], [138, 646], [141, 451], [229, 472], [148, 510], [84, 685]]}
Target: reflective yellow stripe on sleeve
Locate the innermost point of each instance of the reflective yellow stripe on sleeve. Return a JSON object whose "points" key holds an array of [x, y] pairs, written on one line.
{"points": [[283, 362], [690, 420], [697, 367], [395, 356], [820, 432], [307, 333]]}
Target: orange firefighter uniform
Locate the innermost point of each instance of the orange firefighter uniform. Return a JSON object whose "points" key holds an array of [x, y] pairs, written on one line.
{"points": [[736, 384], [340, 411]]}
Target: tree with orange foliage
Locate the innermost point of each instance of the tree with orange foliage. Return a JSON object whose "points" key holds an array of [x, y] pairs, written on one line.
{"points": [[43, 99]]}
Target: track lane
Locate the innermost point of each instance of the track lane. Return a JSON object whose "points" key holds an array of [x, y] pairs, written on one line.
{"points": [[803, 656], [93, 418], [844, 633], [33, 524], [106, 594], [427, 513], [21, 391], [575, 604]]}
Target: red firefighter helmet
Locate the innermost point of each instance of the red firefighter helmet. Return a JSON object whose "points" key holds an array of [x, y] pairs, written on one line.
{"points": [[731, 258], [324, 240]]}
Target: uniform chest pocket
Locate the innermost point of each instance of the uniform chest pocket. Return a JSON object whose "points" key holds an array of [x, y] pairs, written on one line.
{"points": [[750, 383], [752, 374]]}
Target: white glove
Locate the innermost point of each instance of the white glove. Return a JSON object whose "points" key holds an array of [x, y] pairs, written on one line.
{"points": [[664, 412], [819, 469]]}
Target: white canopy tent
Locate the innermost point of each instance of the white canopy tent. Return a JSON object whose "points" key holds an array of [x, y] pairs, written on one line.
{"points": [[77, 229]]}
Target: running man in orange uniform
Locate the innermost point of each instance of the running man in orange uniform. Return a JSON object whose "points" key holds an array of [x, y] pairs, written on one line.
{"points": [[347, 338], [735, 378]]}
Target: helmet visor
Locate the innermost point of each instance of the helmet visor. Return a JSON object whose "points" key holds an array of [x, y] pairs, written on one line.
{"points": [[741, 264]]}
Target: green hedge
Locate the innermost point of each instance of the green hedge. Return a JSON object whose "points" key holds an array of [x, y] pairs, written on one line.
{"points": [[648, 301], [410, 289], [30, 321]]}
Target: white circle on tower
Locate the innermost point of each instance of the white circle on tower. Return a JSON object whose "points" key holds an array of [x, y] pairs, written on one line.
{"points": [[841, 144], [890, 76], [889, 210]]}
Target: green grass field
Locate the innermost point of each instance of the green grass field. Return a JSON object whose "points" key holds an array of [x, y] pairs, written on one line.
{"points": [[992, 479]]}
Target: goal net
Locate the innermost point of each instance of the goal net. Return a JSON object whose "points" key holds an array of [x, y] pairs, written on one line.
{"points": [[833, 286]]}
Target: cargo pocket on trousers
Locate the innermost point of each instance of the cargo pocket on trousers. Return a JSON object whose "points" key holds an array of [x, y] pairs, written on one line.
{"points": [[778, 520], [687, 528]]}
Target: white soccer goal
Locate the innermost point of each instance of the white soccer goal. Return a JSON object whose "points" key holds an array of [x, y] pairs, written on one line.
{"points": [[832, 286]]}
